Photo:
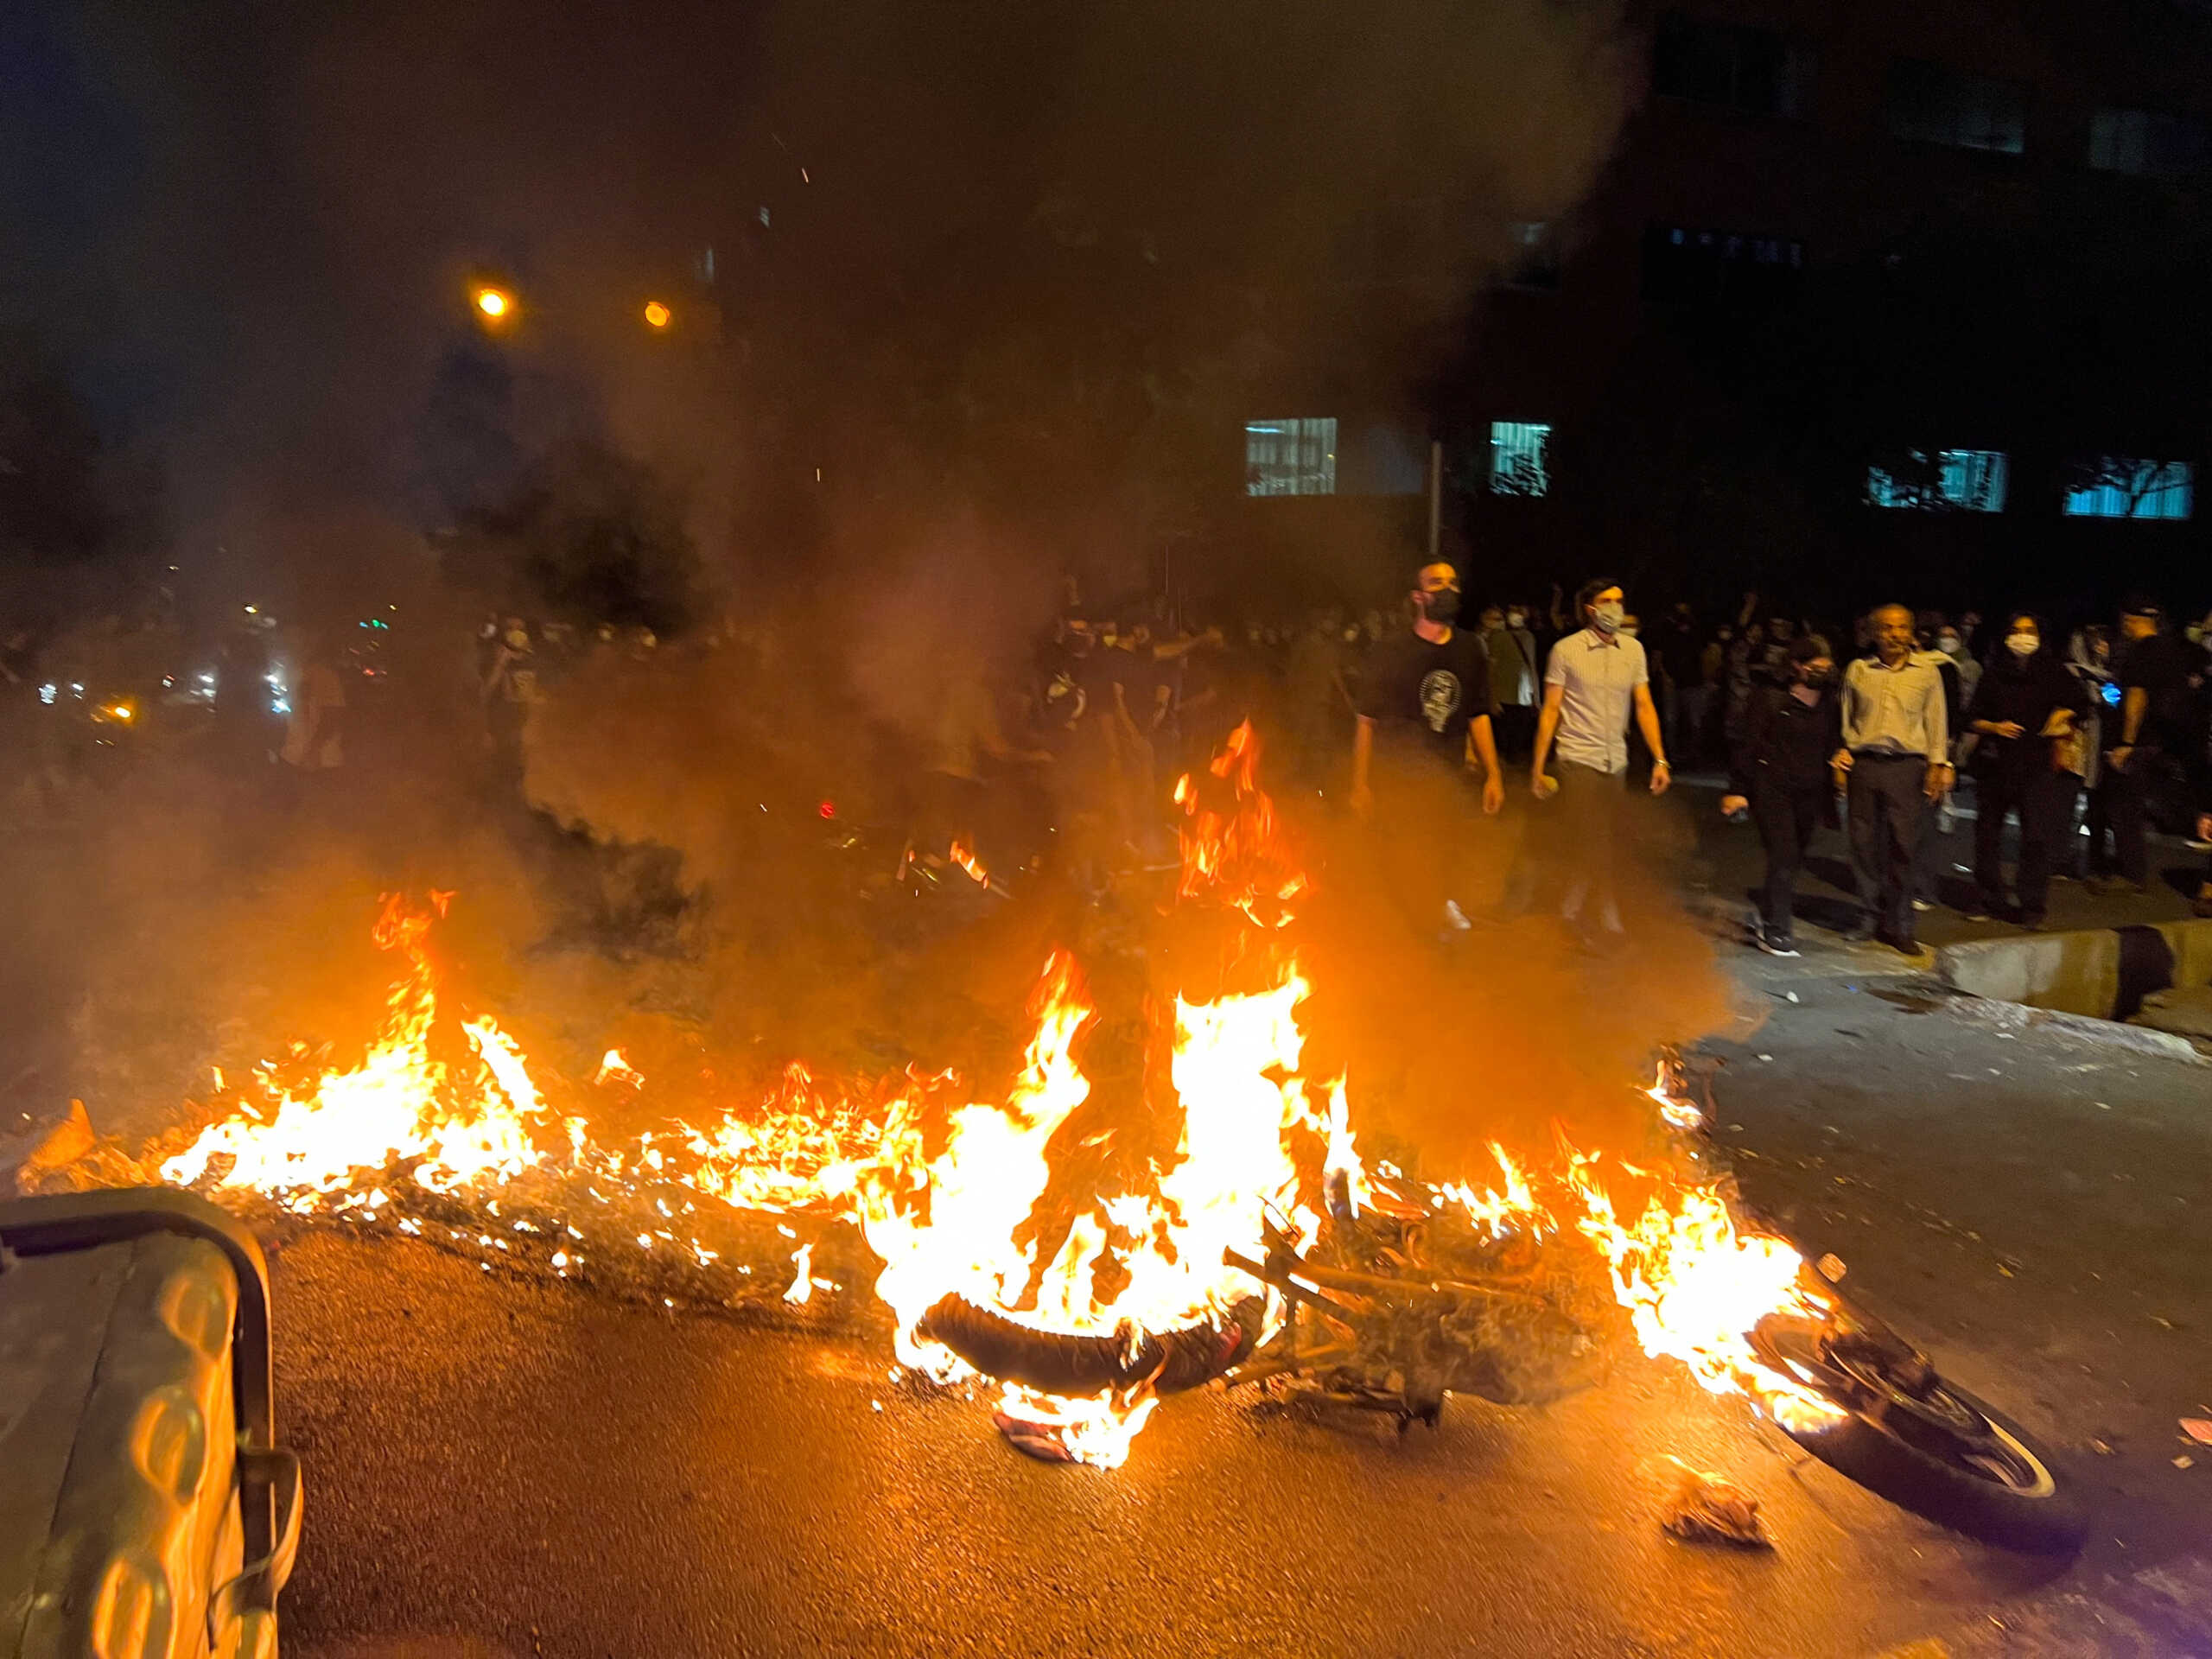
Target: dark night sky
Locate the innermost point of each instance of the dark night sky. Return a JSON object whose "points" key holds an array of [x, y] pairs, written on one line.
{"points": [[248, 227]]}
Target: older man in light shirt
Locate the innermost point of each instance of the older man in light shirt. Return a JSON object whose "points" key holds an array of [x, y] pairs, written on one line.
{"points": [[1596, 679], [1895, 761]]}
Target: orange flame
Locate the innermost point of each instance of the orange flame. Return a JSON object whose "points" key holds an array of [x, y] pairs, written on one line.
{"points": [[956, 1196]]}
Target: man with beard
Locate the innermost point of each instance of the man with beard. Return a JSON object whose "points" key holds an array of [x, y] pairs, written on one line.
{"points": [[1596, 681], [1426, 696]]}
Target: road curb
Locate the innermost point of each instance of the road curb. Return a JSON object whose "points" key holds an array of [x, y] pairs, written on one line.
{"points": [[2100, 973]]}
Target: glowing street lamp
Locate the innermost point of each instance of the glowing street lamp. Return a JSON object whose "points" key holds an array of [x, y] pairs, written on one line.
{"points": [[658, 315], [493, 303]]}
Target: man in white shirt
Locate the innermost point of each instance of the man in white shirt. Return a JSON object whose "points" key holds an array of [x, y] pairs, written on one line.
{"points": [[1596, 680]]}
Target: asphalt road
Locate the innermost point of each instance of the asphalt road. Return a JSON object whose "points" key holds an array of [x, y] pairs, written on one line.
{"points": [[500, 1466]]}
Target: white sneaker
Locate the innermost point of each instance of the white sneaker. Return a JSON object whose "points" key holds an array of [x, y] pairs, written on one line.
{"points": [[1454, 918], [1921, 904]]}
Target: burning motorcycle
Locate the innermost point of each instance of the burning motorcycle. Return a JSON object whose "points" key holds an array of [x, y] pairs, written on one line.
{"points": [[1412, 1294]]}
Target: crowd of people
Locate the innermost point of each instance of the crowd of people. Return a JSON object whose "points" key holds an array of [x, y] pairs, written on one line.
{"points": [[2065, 750], [1893, 726]]}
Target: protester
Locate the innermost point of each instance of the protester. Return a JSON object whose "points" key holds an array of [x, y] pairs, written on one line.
{"points": [[1780, 772], [1594, 682], [314, 727], [1931, 853], [1676, 643], [1895, 758], [1425, 699], [1514, 673], [1953, 644], [510, 695], [2025, 707], [2145, 739]]}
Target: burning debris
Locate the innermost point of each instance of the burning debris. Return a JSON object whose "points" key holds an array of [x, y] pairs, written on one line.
{"points": [[1161, 1194], [1706, 1508]]}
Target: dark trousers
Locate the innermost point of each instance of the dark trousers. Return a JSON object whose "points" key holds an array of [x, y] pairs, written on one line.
{"points": [[2044, 801], [1591, 802], [1787, 817], [1886, 806], [2124, 805], [1516, 727]]}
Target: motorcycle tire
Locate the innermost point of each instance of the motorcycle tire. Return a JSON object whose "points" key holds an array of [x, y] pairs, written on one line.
{"points": [[1055, 1362], [2029, 1506]]}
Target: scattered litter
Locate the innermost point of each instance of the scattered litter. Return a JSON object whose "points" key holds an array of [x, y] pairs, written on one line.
{"points": [[2198, 1430], [1766, 1057], [2185, 1461], [1831, 1267], [1786, 996], [2102, 1107], [2102, 1449], [1039, 1440], [1706, 1508]]}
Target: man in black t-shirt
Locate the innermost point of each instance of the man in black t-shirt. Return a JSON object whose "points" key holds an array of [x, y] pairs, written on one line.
{"points": [[1424, 708], [1426, 696]]}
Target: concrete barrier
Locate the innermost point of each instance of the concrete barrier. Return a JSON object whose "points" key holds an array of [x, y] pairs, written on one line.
{"points": [[2105, 973]]}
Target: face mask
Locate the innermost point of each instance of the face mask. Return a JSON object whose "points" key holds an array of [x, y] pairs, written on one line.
{"points": [[1816, 677], [1949, 645], [518, 640], [1441, 605], [1350, 635], [1607, 617], [2022, 644], [1516, 619], [1493, 624]]}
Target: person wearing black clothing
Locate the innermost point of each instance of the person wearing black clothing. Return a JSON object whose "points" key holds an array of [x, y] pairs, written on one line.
{"points": [[1779, 768], [1425, 695], [1424, 702], [2141, 742], [2025, 704]]}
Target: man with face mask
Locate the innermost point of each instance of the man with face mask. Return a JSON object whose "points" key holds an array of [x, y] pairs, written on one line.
{"points": [[2025, 703], [1424, 700], [1595, 682], [1512, 651], [1780, 771]]}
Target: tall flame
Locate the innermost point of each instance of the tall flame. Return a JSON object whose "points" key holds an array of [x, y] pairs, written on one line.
{"points": [[959, 1197]]}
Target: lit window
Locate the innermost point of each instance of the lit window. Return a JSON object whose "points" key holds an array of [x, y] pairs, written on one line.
{"points": [[1293, 457], [2147, 144], [1939, 105], [1967, 480], [2117, 487], [1518, 465]]}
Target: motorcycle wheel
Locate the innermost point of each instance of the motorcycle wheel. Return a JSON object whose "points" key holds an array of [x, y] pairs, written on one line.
{"points": [[1959, 1461]]}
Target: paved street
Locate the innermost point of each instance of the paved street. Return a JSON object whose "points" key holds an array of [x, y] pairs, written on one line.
{"points": [[501, 1466]]}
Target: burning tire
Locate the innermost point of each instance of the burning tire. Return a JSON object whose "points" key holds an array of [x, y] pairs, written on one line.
{"points": [[1054, 1363]]}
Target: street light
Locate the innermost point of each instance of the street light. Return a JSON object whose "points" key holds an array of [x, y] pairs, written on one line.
{"points": [[657, 314], [493, 303]]}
